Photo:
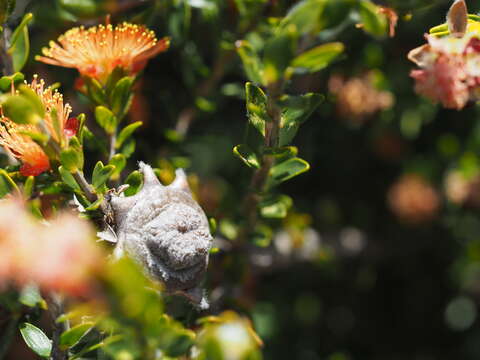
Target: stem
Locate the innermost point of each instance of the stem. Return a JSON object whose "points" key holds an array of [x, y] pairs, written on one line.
{"points": [[259, 178], [5, 57], [56, 308], [187, 115], [85, 186], [113, 141]]}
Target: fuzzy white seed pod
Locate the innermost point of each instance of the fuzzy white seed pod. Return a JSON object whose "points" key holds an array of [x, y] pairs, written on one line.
{"points": [[165, 230]]}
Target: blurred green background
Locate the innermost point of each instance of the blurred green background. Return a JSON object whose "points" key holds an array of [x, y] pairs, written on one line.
{"points": [[344, 276]]}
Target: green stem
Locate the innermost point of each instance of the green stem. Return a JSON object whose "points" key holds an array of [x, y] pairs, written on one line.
{"points": [[260, 177]]}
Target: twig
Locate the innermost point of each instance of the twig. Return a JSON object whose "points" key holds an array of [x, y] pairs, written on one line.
{"points": [[55, 309], [259, 178], [187, 115], [113, 141], [85, 186], [7, 64]]}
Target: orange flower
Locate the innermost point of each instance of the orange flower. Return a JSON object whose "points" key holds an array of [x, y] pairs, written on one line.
{"points": [[97, 51], [21, 146]]}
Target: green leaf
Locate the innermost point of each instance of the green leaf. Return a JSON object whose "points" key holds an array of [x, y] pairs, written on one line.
{"points": [[71, 159], [101, 174], [251, 62], [135, 182], [247, 155], [249, 8], [95, 91], [28, 186], [256, 107], [68, 178], [20, 109], [31, 95], [106, 119], [212, 223], [279, 52], [281, 152], [94, 345], [439, 29], [275, 207], [73, 335], [20, 43], [228, 229], [287, 170], [262, 236], [319, 57], [128, 148], [96, 205], [124, 348], [30, 296], [305, 15], [126, 132], [121, 97], [177, 342], [374, 22], [7, 185], [80, 8], [6, 9], [119, 162], [6, 81], [81, 118], [36, 339], [117, 74], [295, 111]]}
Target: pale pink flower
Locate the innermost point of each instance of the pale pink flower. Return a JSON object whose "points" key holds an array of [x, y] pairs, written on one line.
{"points": [[449, 69], [58, 256], [413, 200]]}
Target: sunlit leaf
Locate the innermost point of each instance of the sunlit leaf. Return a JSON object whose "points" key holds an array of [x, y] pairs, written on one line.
{"points": [[36, 339]]}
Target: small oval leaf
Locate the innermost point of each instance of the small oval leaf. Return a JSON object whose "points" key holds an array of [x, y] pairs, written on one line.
{"points": [[36, 339]]}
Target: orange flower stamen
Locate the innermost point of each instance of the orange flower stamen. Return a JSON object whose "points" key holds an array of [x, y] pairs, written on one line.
{"points": [[14, 138], [97, 51]]}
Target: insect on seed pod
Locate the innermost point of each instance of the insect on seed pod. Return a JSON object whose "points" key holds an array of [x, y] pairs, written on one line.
{"points": [[165, 230]]}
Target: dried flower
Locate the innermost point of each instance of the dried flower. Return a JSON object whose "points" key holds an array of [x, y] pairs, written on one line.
{"points": [[413, 200], [14, 139], [59, 256], [97, 51], [392, 18], [357, 98]]}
